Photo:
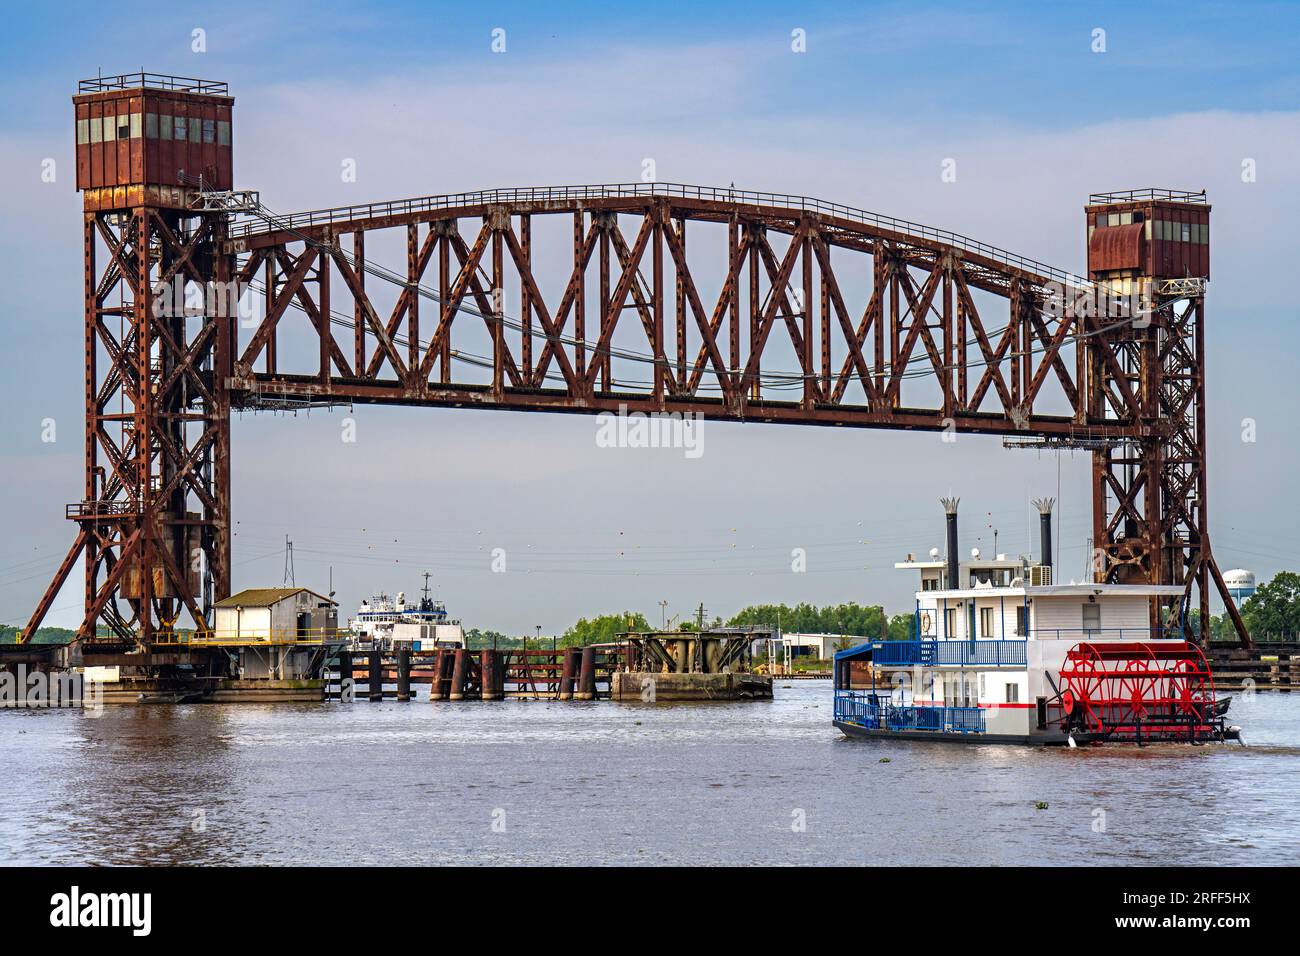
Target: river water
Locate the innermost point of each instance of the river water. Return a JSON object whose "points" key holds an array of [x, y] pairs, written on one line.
{"points": [[522, 782]]}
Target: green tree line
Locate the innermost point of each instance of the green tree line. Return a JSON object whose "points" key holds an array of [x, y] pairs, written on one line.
{"points": [[44, 635], [855, 620], [1272, 613]]}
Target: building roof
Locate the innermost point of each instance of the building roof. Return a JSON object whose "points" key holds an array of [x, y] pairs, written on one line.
{"points": [[1149, 590], [858, 650], [264, 597]]}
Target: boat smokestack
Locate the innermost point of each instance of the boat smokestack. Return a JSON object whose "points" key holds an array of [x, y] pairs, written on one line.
{"points": [[1044, 506], [950, 509]]}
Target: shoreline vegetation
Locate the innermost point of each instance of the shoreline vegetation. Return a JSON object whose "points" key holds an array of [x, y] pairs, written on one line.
{"points": [[1272, 613]]}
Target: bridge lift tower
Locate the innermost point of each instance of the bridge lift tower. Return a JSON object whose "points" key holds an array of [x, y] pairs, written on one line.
{"points": [[154, 524], [1150, 491], [163, 369]]}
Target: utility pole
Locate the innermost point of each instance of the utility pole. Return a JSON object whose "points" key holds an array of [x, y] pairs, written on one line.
{"points": [[288, 563], [663, 614], [699, 616]]}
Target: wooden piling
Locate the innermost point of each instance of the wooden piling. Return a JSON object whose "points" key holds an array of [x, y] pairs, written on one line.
{"points": [[490, 665], [404, 674], [375, 666], [436, 691], [345, 676], [458, 675], [572, 659], [587, 675]]}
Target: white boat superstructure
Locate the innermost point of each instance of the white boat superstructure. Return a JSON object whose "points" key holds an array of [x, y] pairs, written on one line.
{"points": [[390, 623]]}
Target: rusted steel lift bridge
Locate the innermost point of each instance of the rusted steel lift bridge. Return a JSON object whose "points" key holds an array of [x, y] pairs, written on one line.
{"points": [[585, 299]]}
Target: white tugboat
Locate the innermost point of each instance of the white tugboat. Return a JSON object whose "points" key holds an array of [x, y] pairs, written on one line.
{"points": [[390, 623], [1001, 654]]}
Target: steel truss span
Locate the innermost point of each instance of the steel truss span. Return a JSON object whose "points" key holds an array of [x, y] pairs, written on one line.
{"points": [[592, 299]]}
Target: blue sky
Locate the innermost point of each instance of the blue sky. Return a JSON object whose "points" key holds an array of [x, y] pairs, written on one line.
{"points": [[1036, 120], [1031, 62]]}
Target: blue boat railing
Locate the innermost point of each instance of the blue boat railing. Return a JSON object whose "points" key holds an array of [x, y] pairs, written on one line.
{"points": [[997, 652], [875, 712], [932, 652]]}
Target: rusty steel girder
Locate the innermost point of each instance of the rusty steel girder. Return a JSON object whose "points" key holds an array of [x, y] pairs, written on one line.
{"points": [[947, 334], [921, 316]]}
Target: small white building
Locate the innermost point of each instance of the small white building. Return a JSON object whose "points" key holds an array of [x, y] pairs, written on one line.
{"points": [[276, 615], [819, 646]]}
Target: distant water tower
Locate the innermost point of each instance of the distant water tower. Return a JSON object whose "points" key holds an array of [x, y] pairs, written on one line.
{"points": [[1241, 584]]}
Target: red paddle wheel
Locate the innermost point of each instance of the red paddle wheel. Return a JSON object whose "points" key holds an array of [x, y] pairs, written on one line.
{"points": [[1139, 692]]}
